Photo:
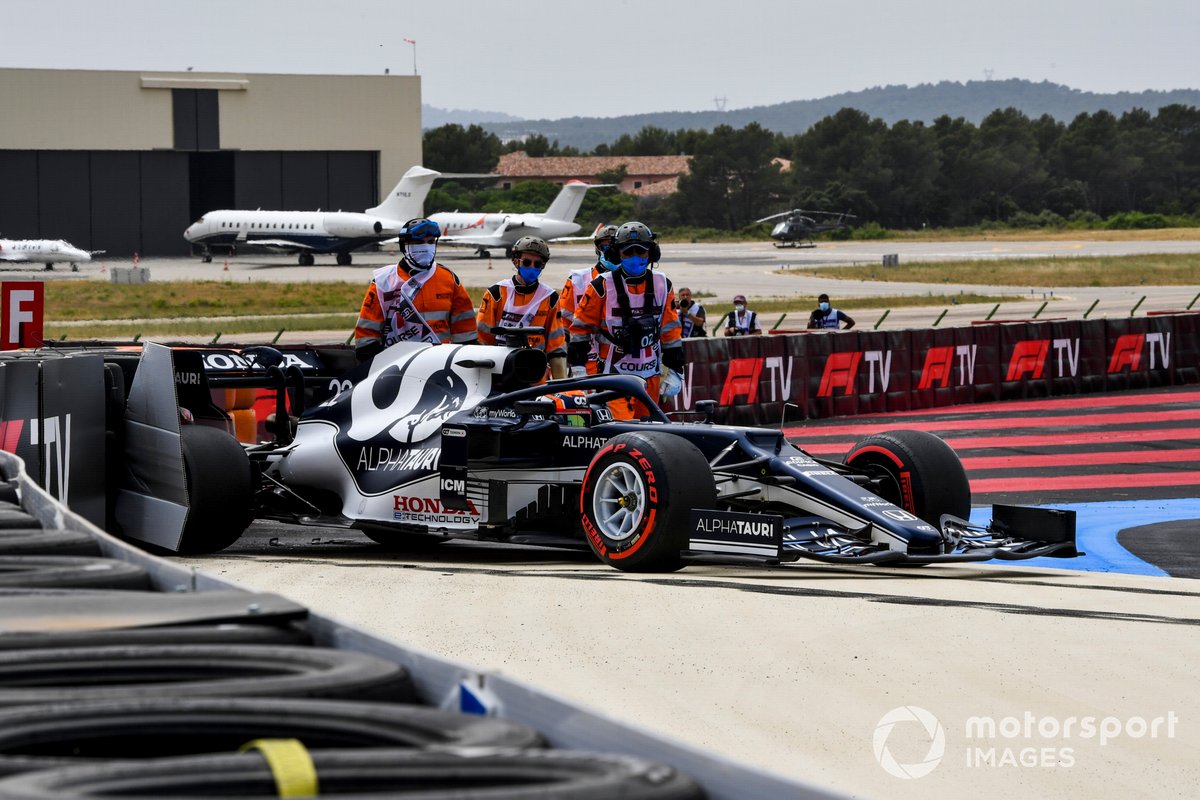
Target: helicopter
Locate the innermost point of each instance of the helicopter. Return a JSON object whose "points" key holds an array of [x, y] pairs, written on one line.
{"points": [[798, 226]]}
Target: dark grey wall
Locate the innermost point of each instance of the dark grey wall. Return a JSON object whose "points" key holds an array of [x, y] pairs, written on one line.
{"points": [[127, 201], [115, 188], [18, 195]]}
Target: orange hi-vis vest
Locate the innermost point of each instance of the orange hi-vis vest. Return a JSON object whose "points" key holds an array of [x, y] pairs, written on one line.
{"points": [[430, 306], [568, 299], [599, 313], [505, 306]]}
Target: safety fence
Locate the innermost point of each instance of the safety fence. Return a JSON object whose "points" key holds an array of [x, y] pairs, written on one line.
{"points": [[766, 380]]}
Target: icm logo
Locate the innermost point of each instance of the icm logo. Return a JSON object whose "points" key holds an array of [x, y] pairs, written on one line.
{"points": [[902, 716], [453, 485]]}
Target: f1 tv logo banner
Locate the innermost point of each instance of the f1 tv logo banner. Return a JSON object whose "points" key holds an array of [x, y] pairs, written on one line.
{"points": [[21, 305], [1127, 352]]}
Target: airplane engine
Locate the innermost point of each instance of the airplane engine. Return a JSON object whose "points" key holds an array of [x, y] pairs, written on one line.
{"points": [[353, 226]]}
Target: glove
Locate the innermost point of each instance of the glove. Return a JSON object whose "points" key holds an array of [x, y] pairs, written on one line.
{"points": [[672, 383], [577, 372]]}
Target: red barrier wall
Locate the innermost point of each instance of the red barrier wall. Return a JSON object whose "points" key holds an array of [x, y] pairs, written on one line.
{"points": [[764, 380]]}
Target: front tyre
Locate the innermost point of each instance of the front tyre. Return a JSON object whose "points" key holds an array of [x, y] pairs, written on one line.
{"points": [[637, 499], [220, 490], [918, 472]]}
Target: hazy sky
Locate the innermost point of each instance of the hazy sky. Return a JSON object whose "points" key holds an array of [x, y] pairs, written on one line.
{"points": [[536, 58]]}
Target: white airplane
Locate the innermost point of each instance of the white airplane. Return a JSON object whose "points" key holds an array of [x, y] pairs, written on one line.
{"points": [[487, 231], [44, 251], [313, 232]]}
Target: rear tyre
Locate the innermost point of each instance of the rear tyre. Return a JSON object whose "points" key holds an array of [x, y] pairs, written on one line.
{"points": [[637, 499], [220, 490], [919, 472]]}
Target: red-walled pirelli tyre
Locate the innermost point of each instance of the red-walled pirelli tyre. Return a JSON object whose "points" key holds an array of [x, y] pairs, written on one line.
{"points": [[637, 499], [220, 490], [922, 474]]}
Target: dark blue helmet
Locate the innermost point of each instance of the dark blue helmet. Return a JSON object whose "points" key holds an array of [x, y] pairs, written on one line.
{"points": [[419, 228]]}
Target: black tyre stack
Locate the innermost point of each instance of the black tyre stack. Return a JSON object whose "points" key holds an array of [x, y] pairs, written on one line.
{"points": [[207, 709]]}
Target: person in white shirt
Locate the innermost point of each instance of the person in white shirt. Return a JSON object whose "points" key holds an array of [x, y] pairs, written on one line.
{"points": [[741, 321]]}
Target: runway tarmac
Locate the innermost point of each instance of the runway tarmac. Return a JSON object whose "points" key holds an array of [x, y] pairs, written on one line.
{"points": [[797, 669], [716, 272]]}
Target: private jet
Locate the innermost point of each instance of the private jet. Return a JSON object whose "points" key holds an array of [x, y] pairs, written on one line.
{"points": [[45, 251], [485, 232], [312, 233]]}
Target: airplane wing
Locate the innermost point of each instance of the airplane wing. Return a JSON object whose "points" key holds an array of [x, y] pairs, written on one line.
{"points": [[571, 239], [491, 240], [590, 238], [281, 245]]}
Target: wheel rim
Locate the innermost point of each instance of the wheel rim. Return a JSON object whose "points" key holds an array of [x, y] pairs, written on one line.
{"points": [[619, 501]]}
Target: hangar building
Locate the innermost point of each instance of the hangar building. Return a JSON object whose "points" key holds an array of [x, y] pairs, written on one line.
{"points": [[124, 161]]}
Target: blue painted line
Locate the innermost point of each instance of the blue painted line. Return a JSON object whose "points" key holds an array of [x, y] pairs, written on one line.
{"points": [[1097, 526]]}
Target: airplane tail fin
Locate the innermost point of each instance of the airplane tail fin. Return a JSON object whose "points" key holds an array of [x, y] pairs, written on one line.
{"points": [[566, 205], [407, 200]]}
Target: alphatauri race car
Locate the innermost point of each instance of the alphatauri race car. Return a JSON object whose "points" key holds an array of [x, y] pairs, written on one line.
{"points": [[426, 443]]}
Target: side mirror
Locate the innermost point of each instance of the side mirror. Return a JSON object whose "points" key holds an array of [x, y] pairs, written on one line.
{"points": [[708, 408]]}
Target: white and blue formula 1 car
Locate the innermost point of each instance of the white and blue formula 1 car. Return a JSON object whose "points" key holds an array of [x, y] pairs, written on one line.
{"points": [[427, 443]]}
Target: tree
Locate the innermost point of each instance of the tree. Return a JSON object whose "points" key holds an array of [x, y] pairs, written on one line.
{"points": [[452, 148], [1009, 172], [910, 151], [732, 179]]}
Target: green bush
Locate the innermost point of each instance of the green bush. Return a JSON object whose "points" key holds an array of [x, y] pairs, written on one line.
{"points": [[1136, 220], [870, 231], [1046, 219]]}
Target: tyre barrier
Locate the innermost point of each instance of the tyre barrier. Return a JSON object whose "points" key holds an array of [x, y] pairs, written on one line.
{"points": [[51, 736], [63, 572], [37, 541], [472, 774], [12, 516], [174, 634], [198, 670]]}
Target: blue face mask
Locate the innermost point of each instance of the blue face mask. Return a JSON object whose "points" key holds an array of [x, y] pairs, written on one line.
{"points": [[634, 266], [825, 307], [608, 265], [529, 275]]}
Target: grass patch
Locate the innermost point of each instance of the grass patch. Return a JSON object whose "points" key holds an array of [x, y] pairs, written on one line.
{"points": [[85, 300], [806, 304], [1170, 269]]}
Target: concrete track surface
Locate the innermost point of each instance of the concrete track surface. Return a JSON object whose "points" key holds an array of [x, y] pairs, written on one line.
{"points": [[793, 669]]}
